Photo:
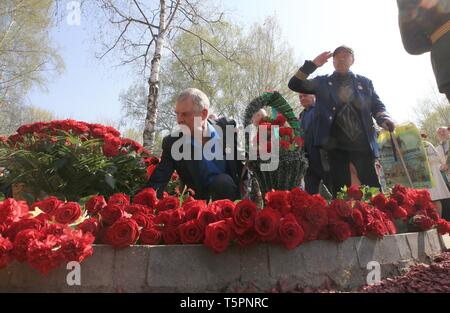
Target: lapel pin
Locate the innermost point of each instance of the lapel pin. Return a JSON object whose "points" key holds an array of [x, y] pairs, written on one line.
{"points": [[360, 87], [330, 83]]}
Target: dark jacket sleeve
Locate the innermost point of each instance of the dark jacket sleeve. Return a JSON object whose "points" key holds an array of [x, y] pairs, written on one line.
{"points": [[415, 40], [164, 170], [300, 82]]}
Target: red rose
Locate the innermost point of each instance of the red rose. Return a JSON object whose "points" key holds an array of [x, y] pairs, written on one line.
{"points": [[95, 204], [111, 145], [76, 245], [357, 218], [150, 236], [280, 120], [390, 227], [399, 213], [286, 131], [354, 192], [48, 206], [168, 203], [379, 201], [27, 223], [146, 197], [119, 199], [190, 232], [171, 235], [21, 242], [266, 224], [205, 216], [279, 200], [284, 144], [317, 215], [218, 236], [176, 217], [43, 255], [291, 233], [137, 208], [248, 238], [223, 208], [443, 227], [310, 231], [89, 225], [123, 233], [377, 228], [67, 213], [340, 231], [111, 213], [244, 215], [142, 220], [191, 208], [6, 248], [342, 208]]}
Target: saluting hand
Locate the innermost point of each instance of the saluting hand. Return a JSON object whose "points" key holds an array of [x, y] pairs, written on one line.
{"points": [[322, 58]]}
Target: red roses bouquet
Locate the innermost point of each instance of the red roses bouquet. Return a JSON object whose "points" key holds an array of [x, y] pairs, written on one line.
{"points": [[72, 159]]}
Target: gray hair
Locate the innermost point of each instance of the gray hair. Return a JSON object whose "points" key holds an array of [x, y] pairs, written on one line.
{"points": [[198, 97]]}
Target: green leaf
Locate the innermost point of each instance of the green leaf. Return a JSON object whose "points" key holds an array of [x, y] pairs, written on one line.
{"points": [[2, 196]]}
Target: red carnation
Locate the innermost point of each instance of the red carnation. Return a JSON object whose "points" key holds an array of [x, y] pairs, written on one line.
{"points": [[279, 200], [376, 228], [443, 227], [27, 223], [123, 233], [244, 215], [76, 245], [6, 248], [423, 222], [354, 192], [150, 236], [146, 197], [43, 255], [218, 236], [291, 233], [67, 213], [95, 204], [266, 224], [12, 210], [190, 232], [21, 242]]}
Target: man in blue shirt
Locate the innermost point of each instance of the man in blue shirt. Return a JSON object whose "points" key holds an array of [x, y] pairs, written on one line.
{"points": [[208, 166]]}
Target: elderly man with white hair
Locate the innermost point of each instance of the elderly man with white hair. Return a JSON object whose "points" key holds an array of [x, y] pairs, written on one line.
{"points": [[216, 176]]}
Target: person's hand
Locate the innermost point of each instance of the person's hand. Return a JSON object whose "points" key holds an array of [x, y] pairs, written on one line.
{"points": [[322, 58], [388, 125], [444, 168]]}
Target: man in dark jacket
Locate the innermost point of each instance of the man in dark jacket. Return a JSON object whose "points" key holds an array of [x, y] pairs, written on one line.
{"points": [[425, 27], [345, 107], [200, 153], [315, 173]]}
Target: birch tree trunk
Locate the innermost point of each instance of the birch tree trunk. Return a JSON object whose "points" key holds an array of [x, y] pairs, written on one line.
{"points": [[153, 82]]}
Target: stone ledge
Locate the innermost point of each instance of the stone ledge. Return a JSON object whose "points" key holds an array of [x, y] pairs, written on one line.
{"points": [[194, 268]]}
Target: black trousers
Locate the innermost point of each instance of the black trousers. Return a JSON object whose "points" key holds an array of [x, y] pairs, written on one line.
{"points": [[339, 161]]}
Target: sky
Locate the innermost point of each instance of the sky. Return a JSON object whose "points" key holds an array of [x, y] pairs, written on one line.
{"points": [[89, 88]]}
